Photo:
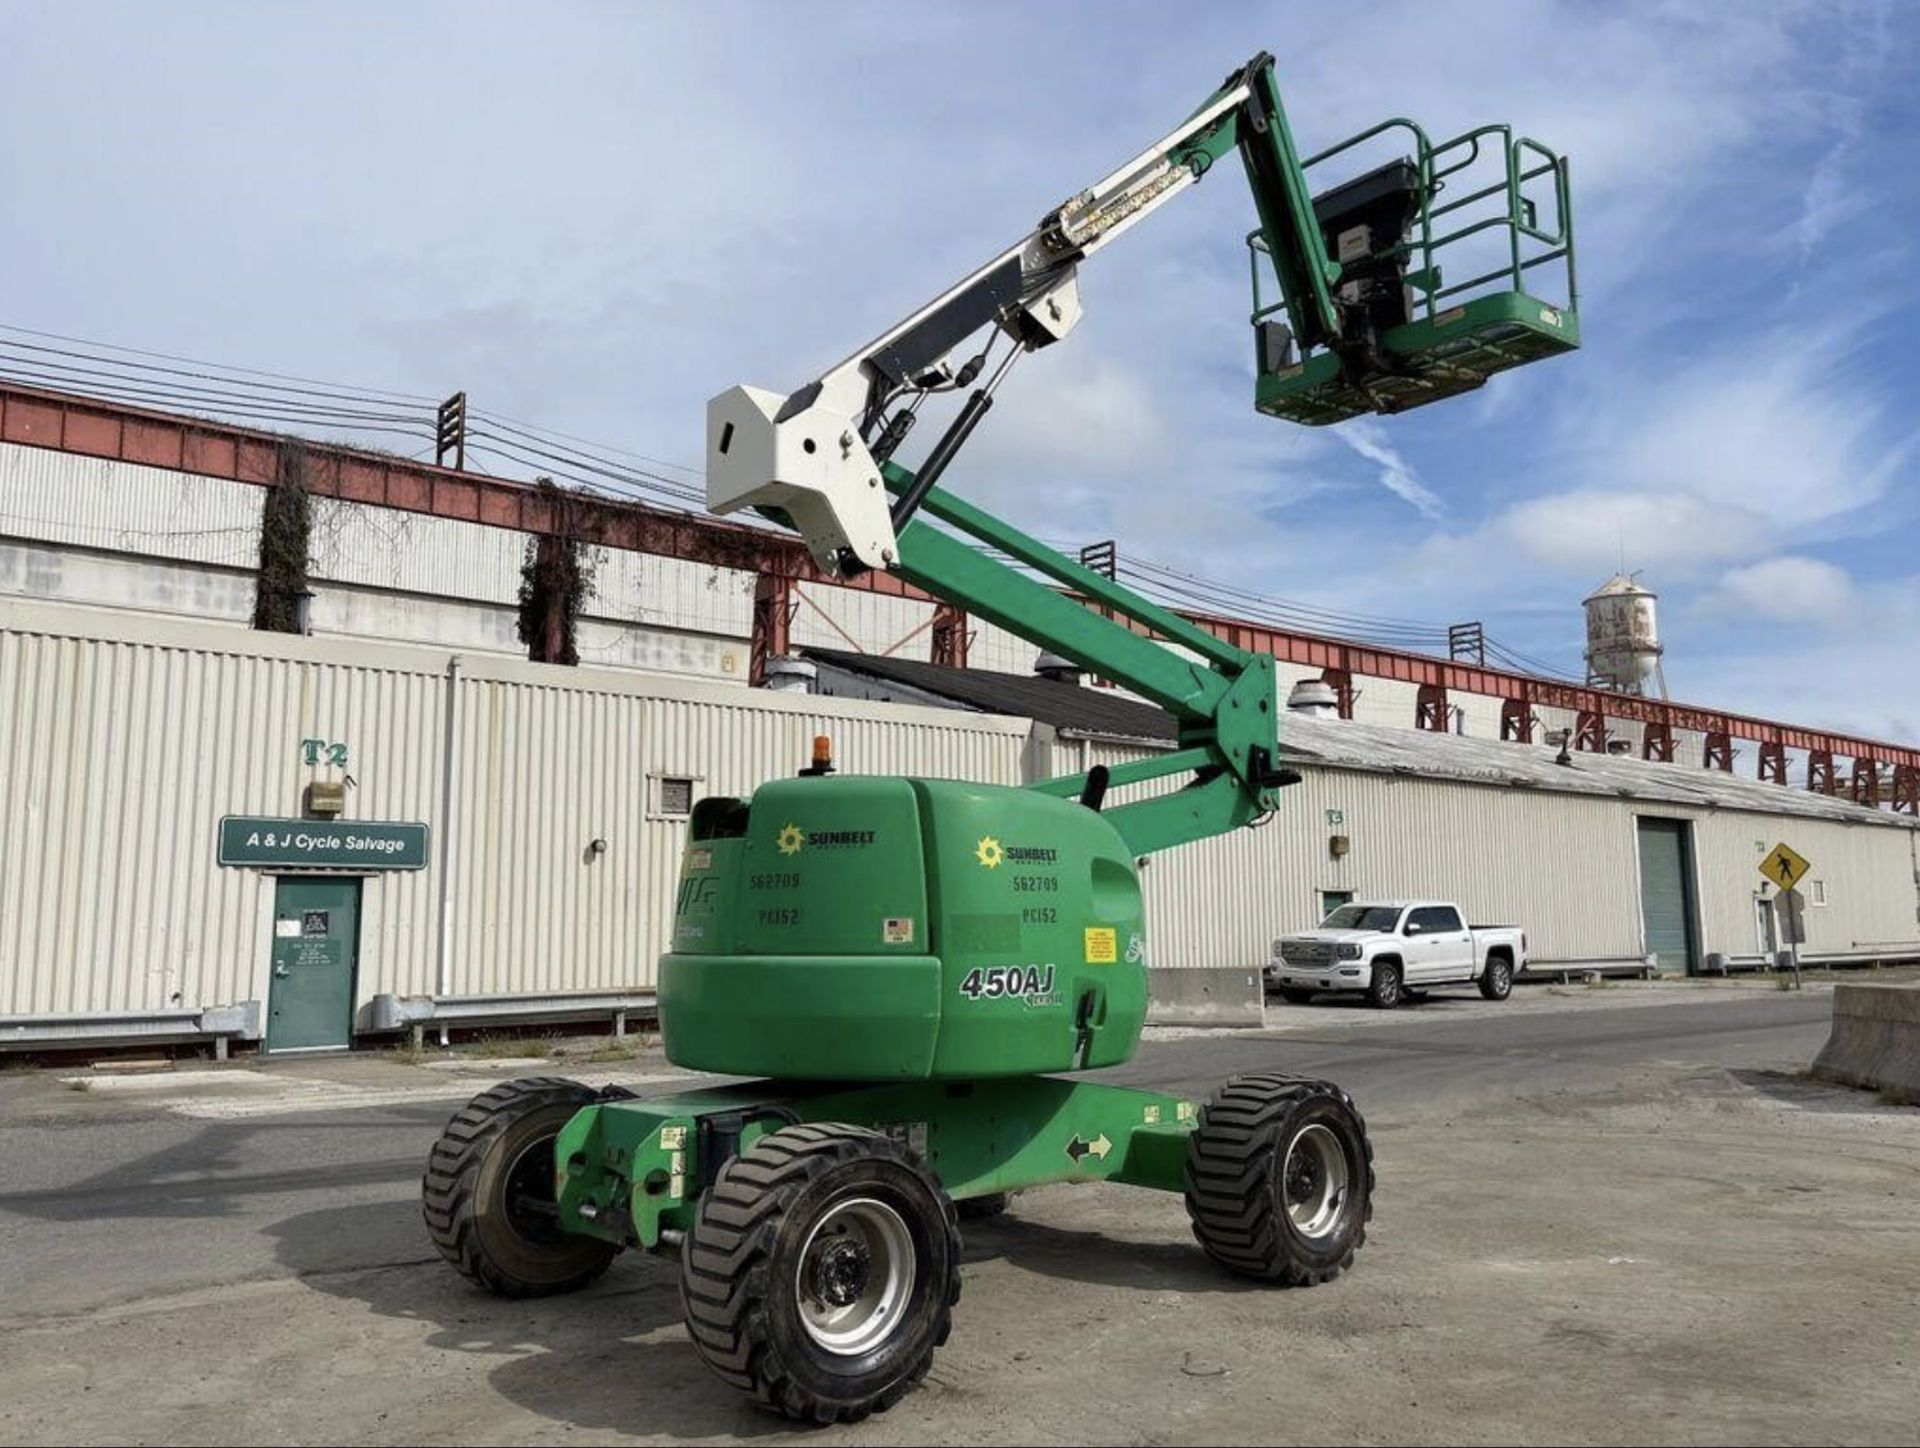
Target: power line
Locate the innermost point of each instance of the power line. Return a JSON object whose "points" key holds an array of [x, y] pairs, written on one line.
{"points": [[511, 423], [200, 362], [310, 402], [145, 396], [188, 391]]}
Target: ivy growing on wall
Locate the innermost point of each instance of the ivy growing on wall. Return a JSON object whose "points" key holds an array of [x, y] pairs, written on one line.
{"points": [[286, 531], [556, 582]]}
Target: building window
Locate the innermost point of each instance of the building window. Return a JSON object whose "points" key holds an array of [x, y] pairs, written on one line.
{"points": [[672, 796], [1816, 892]]}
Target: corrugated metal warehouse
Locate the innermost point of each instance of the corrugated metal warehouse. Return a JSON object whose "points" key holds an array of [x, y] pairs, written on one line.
{"points": [[511, 835], [190, 805]]}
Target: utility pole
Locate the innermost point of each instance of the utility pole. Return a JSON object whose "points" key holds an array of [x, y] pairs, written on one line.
{"points": [[450, 433]]}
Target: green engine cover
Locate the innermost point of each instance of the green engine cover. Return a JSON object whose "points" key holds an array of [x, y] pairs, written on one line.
{"points": [[880, 929]]}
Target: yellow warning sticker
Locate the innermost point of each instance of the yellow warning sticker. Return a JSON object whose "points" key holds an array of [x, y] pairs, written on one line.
{"points": [[1103, 945]]}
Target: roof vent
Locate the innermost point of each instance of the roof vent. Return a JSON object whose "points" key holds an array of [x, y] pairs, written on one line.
{"points": [[1314, 698], [1061, 671], [791, 676], [1619, 746]]}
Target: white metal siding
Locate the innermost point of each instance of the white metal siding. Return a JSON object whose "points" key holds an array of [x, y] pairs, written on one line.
{"points": [[117, 760], [1563, 867], [119, 754], [111, 506], [1868, 871]]}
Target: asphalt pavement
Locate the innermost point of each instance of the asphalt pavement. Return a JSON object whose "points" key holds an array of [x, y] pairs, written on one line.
{"points": [[109, 1197]]}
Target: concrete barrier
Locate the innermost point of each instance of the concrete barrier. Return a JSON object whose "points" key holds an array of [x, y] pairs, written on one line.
{"points": [[1875, 1040], [1206, 996]]}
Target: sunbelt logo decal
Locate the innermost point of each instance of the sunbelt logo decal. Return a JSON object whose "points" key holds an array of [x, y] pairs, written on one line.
{"points": [[991, 853], [792, 839]]}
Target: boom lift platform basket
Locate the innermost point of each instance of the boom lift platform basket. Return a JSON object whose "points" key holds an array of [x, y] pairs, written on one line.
{"points": [[1389, 231]]}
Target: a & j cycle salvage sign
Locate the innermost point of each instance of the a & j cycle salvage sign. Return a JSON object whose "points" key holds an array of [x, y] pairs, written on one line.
{"points": [[322, 844]]}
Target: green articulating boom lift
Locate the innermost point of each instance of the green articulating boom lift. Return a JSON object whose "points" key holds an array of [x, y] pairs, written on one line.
{"points": [[914, 974]]}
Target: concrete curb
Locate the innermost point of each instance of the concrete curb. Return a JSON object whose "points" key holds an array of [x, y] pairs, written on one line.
{"points": [[1875, 1040]]}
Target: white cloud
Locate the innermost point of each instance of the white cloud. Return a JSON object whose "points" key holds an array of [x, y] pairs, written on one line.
{"points": [[1597, 530], [1396, 473], [1791, 589]]}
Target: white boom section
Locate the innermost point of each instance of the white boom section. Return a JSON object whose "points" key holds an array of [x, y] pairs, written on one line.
{"points": [[805, 453]]}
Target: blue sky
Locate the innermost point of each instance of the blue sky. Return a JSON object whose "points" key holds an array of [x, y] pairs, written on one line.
{"points": [[597, 216]]}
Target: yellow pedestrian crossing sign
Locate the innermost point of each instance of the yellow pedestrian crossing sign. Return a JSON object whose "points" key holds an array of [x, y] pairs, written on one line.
{"points": [[1784, 867]]}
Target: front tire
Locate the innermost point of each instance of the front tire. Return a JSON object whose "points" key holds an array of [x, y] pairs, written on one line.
{"points": [[488, 1192], [1388, 987], [1279, 1179], [821, 1271], [1496, 981]]}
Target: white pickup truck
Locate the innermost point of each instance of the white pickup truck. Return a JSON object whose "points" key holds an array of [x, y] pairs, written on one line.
{"points": [[1389, 948]]}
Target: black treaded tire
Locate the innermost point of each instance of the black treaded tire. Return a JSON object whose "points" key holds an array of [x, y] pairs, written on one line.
{"points": [[1496, 981], [982, 1209], [1234, 1188], [1388, 987], [500, 1144], [1294, 996], [741, 1264]]}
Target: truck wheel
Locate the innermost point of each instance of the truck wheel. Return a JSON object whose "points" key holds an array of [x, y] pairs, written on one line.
{"points": [[1294, 996], [821, 1271], [488, 1192], [1496, 981], [1385, 989], [1279, 1179]]}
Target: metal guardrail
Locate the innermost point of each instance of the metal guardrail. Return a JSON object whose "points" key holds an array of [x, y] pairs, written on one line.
{"points": [[1564, 971], [1867, 958], [386, 1013], [220, 1024]]}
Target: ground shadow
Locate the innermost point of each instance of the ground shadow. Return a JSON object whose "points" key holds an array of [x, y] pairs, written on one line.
{"points": [[1410, 999], [1809, 1093], [213, 1170], [613, 1356], [1175, 1264]]}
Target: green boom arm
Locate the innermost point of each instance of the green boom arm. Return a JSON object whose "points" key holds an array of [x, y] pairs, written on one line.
{"points": [[1224, 702], [815, 459]]}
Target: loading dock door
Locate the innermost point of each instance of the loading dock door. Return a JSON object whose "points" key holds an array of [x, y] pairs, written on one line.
{"points": [[316, 933], [1666, 893]]}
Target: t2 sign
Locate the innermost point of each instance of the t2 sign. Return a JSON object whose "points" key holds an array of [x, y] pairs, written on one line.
{"points": [[319, 751]]}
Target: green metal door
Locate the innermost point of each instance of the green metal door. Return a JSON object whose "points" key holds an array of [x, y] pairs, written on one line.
{"points": [[1666, 893], [1332, 900], [316, 933]]}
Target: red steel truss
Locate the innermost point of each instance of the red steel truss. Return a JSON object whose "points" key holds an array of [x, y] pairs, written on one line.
{"points": [[96, 428]]}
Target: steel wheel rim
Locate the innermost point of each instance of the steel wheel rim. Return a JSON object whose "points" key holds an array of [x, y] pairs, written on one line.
{"points": [[1313, 1181], [1500, 977], [855, 1276], [1390, 985], [529, 1193]]}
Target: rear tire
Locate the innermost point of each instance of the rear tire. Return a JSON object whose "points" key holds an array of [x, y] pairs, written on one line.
{"points": [[1294, 996], [1388, 986], [488, 1192], [1279, 1179], [1496, 981], [821, 1271]]}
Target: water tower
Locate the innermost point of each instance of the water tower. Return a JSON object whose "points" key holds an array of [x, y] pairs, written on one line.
{"points": [[1623, 640]]}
